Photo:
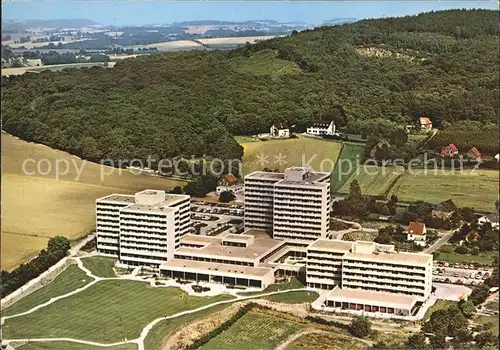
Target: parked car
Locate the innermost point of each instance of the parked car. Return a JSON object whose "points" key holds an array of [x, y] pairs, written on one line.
{"points": [[446, 264], [473, 283], [441, 274], [435, 272], [447, 280], [459, 282], [467, 275], [456, 274]]}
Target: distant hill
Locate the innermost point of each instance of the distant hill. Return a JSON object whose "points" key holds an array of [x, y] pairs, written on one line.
{"points": [[336, 21], [21, 25], [371, 76]]}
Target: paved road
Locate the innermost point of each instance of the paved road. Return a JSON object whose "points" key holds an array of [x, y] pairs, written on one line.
{"points": [[446, 235]]}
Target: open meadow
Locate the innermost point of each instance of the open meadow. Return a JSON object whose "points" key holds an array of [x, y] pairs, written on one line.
{"points": [[63, 345], [346, 164], [374, 181], [37, 207], [477, 189], [282, 154]]}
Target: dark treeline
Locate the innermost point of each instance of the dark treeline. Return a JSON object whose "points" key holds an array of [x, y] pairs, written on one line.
{"points": [[190, 103], [57, 248]]}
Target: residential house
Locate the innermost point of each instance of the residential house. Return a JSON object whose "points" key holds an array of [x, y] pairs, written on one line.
{"points": [[474, 154], [280, 130], [228, 182], [491, 218], [322, 128], [444, 210], [449, 151], [497, 157], [417, 233], [425, 124]]}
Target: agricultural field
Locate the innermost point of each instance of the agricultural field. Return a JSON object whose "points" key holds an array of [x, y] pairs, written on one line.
{"points": [[56, 206], [281, 154], [477, 189], [100, 266], [265, 63], [63, 345], [126, 309], [374, 181], [69, 280], [241, 335], [349, 155], [326, 341]]}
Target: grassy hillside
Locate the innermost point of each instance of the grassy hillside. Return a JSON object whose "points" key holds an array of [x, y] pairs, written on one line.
{"points": [[37, 207], [280, 154], [369, 76]]}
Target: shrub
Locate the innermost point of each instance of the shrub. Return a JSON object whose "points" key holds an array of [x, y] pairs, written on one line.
{"points": [[360, 327], [462, 250], [447, 248]]}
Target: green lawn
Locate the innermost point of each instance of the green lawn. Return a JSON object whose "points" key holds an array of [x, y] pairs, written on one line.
{"points": [[255, 330], [374, 181], [293, 284], [438, 305], [107, 312], [482, 258], [265, 63], [70, 279], [164, 328], [294, 297], [478, 189], [100, 266], [346, 164], [320, 154], [63, 345], [491, 322]]}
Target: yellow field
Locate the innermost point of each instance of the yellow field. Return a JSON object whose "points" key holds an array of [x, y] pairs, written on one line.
{"points": [[36, 207], [476, 189], [294, 152]]}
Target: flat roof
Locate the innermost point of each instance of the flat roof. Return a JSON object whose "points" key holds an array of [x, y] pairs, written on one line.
{"points": [[149, 208], [209, 267], [361, 296], [265, 175], [335, 245], [261, 245], [398, 258], [119, 198]]}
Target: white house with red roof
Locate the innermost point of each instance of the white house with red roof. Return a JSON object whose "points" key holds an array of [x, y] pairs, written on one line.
{"points": [[417, 233], [425, 124], [474, 153], [449, 151]]}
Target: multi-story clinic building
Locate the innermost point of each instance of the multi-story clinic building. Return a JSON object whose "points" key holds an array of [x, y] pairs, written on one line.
{"points": [[367, 276], [293, 206], [144, 229]]}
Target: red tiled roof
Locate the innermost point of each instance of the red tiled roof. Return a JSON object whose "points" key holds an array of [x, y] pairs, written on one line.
{"points": [[475, 152], [416, 228], [453, 147], [230, 178], [425, 120]]}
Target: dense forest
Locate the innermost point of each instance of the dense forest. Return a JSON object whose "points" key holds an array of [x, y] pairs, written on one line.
{"points": [[371, 76]]}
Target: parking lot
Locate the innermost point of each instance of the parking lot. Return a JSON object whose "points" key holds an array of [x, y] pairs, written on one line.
{"points": [[216, 219], [460, 274]]}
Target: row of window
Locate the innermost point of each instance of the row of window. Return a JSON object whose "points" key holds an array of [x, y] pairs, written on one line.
{"points": [[219, 261]]}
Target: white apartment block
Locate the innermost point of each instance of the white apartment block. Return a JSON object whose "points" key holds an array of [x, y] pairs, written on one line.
{"points": [[294, 205], [142, 230], [376, 269]]}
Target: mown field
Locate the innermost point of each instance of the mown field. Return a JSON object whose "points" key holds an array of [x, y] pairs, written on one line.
{"points": [[70, 279], [37, 207], [299, 151], [100, 266], [476, 189], [346, 164], [374, 181], [106, 312], [296, 297], [255, 330]]}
